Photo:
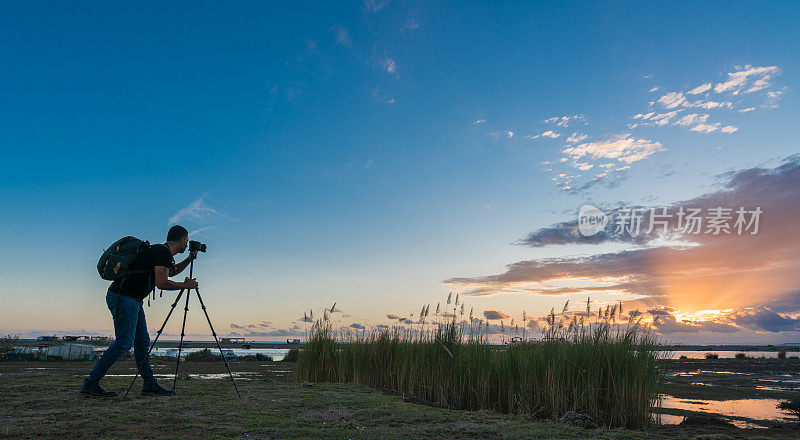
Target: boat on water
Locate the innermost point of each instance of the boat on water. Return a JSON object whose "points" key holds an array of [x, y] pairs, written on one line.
{"points": [[240, 342], [228, 353], [172, 352]]}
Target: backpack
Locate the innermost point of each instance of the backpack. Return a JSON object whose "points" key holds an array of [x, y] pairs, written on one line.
{"points": [[115, 261]]}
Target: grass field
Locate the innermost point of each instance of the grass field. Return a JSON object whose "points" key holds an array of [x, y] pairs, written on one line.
{"points": [[40, 400]]}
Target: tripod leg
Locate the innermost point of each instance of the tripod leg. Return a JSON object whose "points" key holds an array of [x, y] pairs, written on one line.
{"points": [[217, 340], [180, 345], [153, 344]]}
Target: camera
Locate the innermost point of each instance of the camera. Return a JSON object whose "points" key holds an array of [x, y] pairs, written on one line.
{"points": [[196, 246]]}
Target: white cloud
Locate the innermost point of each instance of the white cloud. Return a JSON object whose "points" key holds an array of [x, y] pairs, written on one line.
{"points": [[691, 119], [389, 65], [374, 5], [699, 89], [194, 232], [410, 25], [672, 99], [621, 147], [748, 109], [773, 97], [549, 133], [386, 99], [654, 89], [706, 128], [510, 134], [708, 104], [729, 129], [663, 118], [749, 77], [342, 36], [479, 121], [564, 121], [576, 137], [196, 210]]}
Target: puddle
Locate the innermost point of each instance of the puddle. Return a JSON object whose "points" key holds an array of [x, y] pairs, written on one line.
{"points": [[671, 419], [209, 376], [695, 373], [668, 419], [203, 376], [797, 381], [778, 384], [755, 409], [277, 354], [723, 354]]}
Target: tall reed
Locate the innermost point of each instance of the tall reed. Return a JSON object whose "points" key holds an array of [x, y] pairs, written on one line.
{"points": [[603, 369]]}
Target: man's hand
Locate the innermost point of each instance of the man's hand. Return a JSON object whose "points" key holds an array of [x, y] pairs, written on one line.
{"points": [[190, 283]]}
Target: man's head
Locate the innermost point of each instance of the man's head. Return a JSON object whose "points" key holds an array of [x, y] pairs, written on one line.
{"points": [[178, 238]]}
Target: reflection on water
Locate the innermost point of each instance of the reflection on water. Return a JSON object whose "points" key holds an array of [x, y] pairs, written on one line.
{"points": [[668, 419], [778, 384], [694, 354], [276, 354], [770, 382], [240, 375], [756, 409], [696, 372]]}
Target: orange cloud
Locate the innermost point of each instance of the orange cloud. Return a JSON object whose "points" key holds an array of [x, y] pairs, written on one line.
{"points": [[756, 276]]}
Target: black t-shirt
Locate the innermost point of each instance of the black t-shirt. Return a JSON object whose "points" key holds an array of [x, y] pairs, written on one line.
{"points": [[139, 285]]}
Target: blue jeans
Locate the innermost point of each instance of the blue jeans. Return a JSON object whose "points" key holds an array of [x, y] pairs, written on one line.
{"points": [[130, 330]]}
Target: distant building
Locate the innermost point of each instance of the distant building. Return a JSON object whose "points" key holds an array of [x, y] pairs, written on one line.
{"points": [[101, 339], [232, 340], [70, 351], [76, 338]]}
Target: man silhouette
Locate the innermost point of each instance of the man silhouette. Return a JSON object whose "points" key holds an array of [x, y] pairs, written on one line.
{"points": [[125, 301]]}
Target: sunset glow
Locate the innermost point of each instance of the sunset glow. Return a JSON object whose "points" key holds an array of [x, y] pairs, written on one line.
{"points": [[383, 155]]}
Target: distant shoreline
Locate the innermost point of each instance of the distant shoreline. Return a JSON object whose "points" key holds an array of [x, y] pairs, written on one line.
{"points": [[284, 345]]}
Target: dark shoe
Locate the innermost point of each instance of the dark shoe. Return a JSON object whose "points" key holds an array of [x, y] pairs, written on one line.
{"points": [[152, 388], [92, 388]]}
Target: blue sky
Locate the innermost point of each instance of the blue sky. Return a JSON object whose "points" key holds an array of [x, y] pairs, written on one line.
{"points": [[364, 153]]}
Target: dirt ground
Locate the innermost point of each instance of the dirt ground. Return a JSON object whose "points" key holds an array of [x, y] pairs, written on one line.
{"points": [[41, 400]]}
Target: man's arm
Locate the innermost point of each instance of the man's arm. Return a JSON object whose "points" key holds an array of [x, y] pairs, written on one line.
{"points": [[182, 265], [164, 283]]}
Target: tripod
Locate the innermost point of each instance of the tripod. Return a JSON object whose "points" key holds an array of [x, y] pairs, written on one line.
{"points": [[183, 327]]}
